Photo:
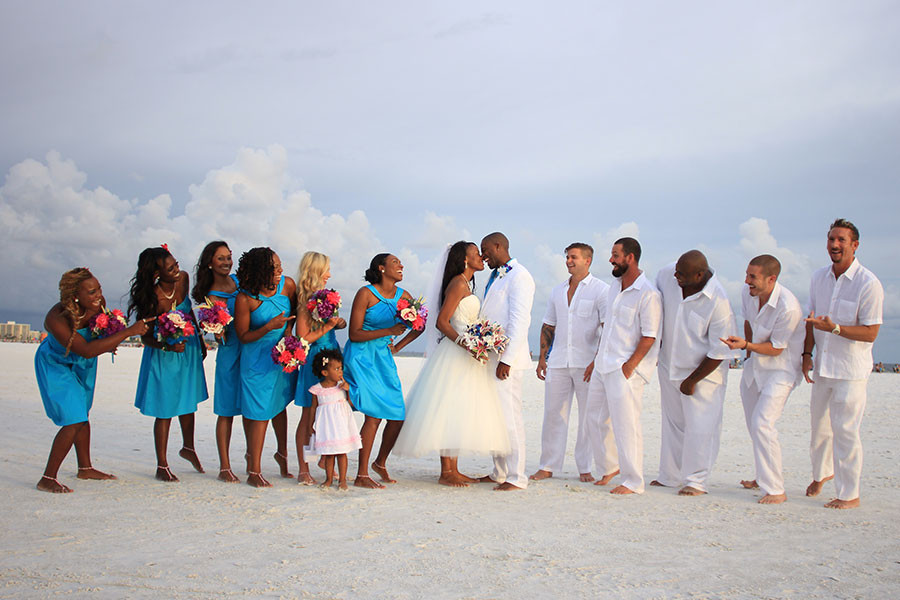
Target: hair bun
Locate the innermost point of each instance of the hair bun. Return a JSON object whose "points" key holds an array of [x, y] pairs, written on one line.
{"points": [[373, 276]]}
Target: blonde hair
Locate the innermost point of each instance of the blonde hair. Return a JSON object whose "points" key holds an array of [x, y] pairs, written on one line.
{"points": [[309, 278], [69, 284]]}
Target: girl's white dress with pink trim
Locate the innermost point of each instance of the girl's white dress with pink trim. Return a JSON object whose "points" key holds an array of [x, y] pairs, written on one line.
{"points": [[336, 429]]}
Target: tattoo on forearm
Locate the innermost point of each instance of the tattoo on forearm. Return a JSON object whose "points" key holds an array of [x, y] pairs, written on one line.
{"points": [[547, 333]]}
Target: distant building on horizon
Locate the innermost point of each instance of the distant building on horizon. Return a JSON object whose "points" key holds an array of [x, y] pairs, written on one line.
{"points": [[18, 332]]}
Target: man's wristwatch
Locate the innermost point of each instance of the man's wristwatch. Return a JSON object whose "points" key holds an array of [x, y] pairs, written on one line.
{"points": [[836, 330]]}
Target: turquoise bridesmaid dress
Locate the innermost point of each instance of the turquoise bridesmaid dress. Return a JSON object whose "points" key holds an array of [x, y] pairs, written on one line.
{"points": [[227, 391], [369, 367], [265, 389], [66, 383], [171, 384], [305, 376]]}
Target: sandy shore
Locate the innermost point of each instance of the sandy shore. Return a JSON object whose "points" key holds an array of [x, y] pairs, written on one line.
{"points": [[139, 538]]}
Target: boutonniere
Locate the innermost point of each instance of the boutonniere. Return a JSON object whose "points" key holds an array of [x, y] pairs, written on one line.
{"points": [[503, 270]]}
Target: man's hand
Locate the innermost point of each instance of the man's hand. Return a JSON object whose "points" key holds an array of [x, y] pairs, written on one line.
{"points": [[823, 323], [627, 369], [588, 371], [541, 369], [687, 387], [734, 342], [502, 371], [807, 363]]}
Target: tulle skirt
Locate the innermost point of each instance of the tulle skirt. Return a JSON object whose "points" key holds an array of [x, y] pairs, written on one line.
{"points": [[453, 408]]}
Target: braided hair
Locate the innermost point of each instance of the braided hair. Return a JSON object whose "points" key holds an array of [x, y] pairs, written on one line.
{"points": [[69, 285], [255, 270], [142, 297]]}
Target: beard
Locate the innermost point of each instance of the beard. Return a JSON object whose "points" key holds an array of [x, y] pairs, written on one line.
{"points": [[619, 270]]}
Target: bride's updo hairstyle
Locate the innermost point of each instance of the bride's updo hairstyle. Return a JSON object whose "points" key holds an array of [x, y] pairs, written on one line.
{"points": [[373, 273], [456, 264]]}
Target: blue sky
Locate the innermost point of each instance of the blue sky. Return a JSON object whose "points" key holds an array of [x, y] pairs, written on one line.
{"points": [[354, 128]]}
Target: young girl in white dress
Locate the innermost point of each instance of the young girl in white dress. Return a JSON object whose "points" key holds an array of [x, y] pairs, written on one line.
{"points": [[334, 432], [453, 407]]}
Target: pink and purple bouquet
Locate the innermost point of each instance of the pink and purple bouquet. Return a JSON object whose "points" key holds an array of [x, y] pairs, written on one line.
{"points": [[107, 322], [290, 352], [413, 314], [483, 337], [323, 304], [172, 327], [213, 316]]}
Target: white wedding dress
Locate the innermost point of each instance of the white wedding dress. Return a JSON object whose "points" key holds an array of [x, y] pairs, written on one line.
{"points": [[453, 408]]}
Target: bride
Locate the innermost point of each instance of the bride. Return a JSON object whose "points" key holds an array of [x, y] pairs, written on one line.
{"points": [[453, 406]]}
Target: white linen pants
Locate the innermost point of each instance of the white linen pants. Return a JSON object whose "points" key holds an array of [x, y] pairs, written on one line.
{"points": [[559, 386], [511, 468], [617, 400], [762, 409], [836, 408], [691, 430]]}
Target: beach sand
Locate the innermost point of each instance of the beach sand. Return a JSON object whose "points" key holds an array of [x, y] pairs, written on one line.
{"points": [[200, 538]]}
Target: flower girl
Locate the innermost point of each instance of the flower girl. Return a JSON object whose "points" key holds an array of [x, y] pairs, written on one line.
{"points": [[334, 432]]}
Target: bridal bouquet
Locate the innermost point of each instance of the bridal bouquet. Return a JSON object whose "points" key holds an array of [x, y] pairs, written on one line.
{"points": [[107, 322], [213, 316], [323, 304], [413, 314], [483, 337], [172, 327], [290, 352]]}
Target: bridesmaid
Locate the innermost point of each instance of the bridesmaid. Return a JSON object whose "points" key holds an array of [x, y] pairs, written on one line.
{"points": [[313, 275], [65, 365], [214, 278], [171, 382], [369, 365], [263, 311]]}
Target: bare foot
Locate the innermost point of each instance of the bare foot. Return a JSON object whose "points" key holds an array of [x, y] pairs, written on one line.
{"points": [[189, 455], [506, 487], [486, 479], [690, 491], [383, 473], [282, 461], [452, 479], [815, 487], [749, 484], [50, 484], [227, 476], [343, 486], [305, 478], [467, 479], [165, 474], [325, 485], [92, 473], [621, 490], [656, 483], [843, 503], [773, 499], [364, 481], [585, 477], [257, 480], [606, 478], [541, 474]]}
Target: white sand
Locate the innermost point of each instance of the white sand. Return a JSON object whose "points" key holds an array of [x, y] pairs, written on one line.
{"points": [[200, 538]]}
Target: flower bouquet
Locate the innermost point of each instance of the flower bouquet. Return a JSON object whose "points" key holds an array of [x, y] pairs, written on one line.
{"points": [[323, 304], [213, 316], [413, 314], [107, 322], [290, 352], [173, 327], [483, 337]]}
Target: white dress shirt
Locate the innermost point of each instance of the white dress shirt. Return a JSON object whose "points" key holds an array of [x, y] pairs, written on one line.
{"points": [[577, 334], [508, 302], [854, 298], [631, 314], [780, 321], [692, 327]]}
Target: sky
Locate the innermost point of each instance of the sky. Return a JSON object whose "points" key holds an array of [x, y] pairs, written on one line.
{"points": [[356, 128]]}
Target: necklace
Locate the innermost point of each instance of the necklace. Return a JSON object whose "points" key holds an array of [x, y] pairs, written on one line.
{"points": [[165, 295]]}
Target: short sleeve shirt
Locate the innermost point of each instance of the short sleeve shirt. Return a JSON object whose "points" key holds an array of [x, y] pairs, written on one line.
{"points": [[631, 314], [779, 321], [577, 323]]}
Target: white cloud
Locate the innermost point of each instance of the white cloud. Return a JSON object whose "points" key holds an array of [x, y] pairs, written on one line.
{"points": [[796, 269], [603, 242]]}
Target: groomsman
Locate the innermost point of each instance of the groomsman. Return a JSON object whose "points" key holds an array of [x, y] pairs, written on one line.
{"points": [[774, 332], [507, 300], [846, 301], [624, 362], [692, 375], [570, 335]]}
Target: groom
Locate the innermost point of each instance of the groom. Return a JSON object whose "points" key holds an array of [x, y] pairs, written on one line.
{"points": [[507, 300]]}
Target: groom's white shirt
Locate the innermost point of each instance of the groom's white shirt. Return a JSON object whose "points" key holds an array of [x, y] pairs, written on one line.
{"points": [[508, 302]]}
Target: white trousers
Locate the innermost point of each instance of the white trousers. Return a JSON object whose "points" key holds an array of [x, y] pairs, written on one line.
{"points": [[691, 430], [762, 409], [599, 428], [559, 386], [836, 408], [511, 468], [616, 400]]}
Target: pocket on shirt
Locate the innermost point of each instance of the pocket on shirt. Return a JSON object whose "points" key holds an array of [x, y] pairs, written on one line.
{"points": [[624, 314], [697, 324], [845, 312], [584, 308]]}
